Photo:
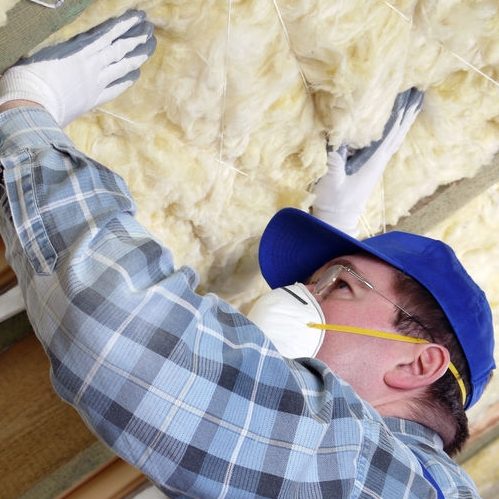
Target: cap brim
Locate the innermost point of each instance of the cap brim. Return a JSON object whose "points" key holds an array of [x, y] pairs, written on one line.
{"points": [[295, 244]]}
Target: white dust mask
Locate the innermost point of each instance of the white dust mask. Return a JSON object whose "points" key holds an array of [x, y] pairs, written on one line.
{"points": [[283, 315]]}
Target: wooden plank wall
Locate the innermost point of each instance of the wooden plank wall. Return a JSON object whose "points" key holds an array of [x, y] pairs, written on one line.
{"points": [[38, 432]]}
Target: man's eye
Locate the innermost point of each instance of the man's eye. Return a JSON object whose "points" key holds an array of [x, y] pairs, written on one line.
{"points": [[340, 287], [341, 284]]}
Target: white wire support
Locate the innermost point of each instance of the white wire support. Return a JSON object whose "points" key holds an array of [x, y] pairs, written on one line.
{"points": [[221, 144], [224, 84], [232, 167], [383, 205], [115, 115], [365, 225], [399, 12], [288, 40], [471, 66], [457, 56]]}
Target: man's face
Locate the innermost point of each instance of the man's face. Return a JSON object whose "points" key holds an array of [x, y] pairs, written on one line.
{"points": [[360, 360]]}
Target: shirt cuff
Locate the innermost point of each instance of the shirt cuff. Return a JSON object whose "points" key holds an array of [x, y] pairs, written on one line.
{"points": [[29, 127]]}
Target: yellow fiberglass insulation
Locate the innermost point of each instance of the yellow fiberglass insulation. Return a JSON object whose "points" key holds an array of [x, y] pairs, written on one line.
{"points": [[228, 122]]}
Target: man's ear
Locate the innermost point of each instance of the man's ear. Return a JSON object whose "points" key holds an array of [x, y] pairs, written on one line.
{"points": [[427, 363]]}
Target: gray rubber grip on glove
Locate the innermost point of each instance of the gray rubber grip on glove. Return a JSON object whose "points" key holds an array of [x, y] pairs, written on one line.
{"points": [[147, 48], [404, 100], [78, 42]]}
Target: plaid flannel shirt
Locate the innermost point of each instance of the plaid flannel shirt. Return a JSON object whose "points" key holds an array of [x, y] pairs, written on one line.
{"points": [[183, 386]]}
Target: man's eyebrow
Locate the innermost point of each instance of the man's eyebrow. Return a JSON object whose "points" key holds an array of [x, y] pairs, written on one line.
{"points": [[339, 261], [346, 263]]}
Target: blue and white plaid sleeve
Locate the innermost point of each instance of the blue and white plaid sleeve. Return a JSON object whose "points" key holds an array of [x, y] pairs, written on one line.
{"points": [[180, 385]]}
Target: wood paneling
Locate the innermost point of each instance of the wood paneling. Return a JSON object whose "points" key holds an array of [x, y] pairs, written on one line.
{"points": [[114, 480], [38, 432], [7, 277]]}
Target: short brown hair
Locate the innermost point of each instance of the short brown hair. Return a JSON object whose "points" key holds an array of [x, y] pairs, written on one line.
{"points": [[430, 322]]}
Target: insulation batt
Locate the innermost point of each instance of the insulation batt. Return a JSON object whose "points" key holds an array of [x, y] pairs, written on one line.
{"points": [[229, 120]]}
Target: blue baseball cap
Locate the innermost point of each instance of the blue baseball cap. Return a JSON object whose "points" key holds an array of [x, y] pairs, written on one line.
{"points": [[295, 244]]}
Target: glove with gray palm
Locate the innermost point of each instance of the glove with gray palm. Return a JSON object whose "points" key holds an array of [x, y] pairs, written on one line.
{"points": [[74, 76], [342, 193]]}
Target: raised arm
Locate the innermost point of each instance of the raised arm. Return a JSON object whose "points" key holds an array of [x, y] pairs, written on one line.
{"points": [[343, 192], [181, 386]]}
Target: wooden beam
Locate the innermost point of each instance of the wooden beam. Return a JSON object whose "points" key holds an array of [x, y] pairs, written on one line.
{"points": [[28, 24], [39, 432], [112, 480], [76, 471], [432, 210], [482, 433]]}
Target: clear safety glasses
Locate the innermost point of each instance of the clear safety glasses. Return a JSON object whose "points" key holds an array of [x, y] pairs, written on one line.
{"points": [[331, 280], [337, 277]]}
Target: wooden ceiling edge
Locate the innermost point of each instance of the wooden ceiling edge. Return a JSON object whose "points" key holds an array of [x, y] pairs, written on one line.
{"points": [[113, 480], [29, 24], [73, 472], [482, 433], [446, 200]]}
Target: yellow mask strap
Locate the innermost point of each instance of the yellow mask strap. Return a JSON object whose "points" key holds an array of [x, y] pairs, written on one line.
{"points": [[389, 336]]}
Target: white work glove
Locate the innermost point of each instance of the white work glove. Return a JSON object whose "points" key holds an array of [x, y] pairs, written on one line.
{"points": [[72, 77], [342, 193]]}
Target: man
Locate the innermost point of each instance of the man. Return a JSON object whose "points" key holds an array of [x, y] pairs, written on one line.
{"points": [[186, 388]]}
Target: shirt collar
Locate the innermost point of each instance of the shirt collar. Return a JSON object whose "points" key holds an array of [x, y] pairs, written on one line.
{"points": [[414, 433]]}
